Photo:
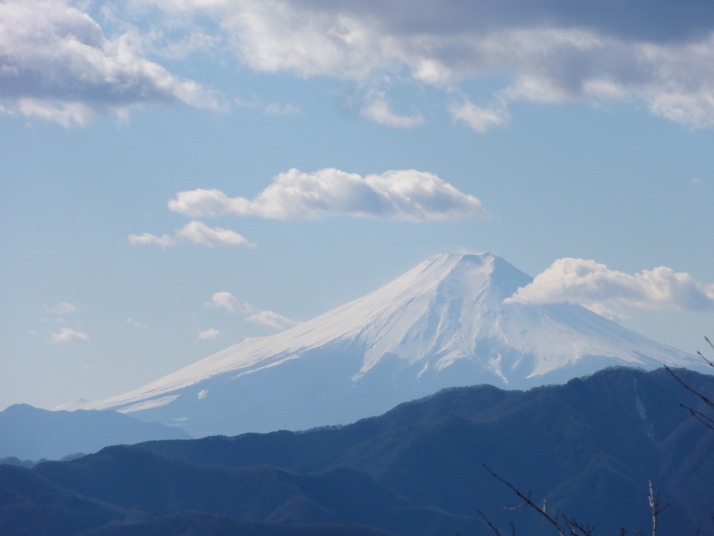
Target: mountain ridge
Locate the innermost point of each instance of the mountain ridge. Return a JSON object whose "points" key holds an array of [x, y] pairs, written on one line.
{"points": [[588, 447]]}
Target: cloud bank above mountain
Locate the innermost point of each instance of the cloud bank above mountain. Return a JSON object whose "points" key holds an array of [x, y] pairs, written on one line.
{"points": [[398, 195], [608, 291]]}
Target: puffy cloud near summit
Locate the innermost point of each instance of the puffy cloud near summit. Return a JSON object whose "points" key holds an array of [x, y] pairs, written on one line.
{"points": [[660, 53], [56, 64], [597, 287], [399, 195]]}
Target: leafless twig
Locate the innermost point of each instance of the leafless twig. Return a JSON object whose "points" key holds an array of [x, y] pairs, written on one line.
{"points": [[699, 395], [496, 530], [568, 527], [656, 510]]}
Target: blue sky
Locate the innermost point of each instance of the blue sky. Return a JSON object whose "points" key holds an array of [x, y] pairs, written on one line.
{"points": [[538, 132]]}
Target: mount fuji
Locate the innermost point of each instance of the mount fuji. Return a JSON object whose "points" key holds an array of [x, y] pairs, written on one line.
{"points": [[442, 324]]}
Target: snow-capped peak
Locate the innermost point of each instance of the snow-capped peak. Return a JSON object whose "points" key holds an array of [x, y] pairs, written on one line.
{"points": [[442, 323]]}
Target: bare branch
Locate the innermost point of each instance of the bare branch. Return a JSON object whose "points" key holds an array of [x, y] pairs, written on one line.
{"points": [[712, 345], [494, 528], [704, 419], [704, 358], [527, 501], [656, 510], [574, 526], [701, 396]]}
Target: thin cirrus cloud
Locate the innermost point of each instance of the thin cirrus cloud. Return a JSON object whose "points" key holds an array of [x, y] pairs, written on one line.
{"points": [[408, 195], [231, 304], [56, 64], [195, 232], [609, 292], [67, 335], [660, 54]]}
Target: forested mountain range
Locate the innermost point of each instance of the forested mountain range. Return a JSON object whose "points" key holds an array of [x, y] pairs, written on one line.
{"points": [[588, 447]]}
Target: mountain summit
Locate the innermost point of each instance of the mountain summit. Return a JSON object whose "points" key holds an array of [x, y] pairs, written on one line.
{"points": [[442, 324]]}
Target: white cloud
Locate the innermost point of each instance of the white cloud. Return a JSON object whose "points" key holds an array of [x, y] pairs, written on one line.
{"points": [[200, 233], [274, 108], [62, 308], [554, 51], [195, 232], [270, 108], [607, 291], [202, 394], [479, 119], [231, 304], [67, 335], [208, 334], [378, 110], [272, 320], [400, 195], [56, 64], [147, 238], [135, 323]]}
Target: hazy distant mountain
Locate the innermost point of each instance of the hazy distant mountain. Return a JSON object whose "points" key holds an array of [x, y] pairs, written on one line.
{"points": [[441, 324], [32, 433], [588, 447]]}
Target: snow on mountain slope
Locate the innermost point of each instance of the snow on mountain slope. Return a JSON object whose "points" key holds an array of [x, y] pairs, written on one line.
{"points": [[441, 324]]}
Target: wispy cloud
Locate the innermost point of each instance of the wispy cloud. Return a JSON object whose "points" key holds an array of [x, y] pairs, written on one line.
{"points": [[135, 323], [144, 239], [56, 64], [480, 119], [272, 320], [208, 334], [231, 304], [270, 108], [226, 300], [62, 308], [400, 195], [67, 335], [377, 109], [274, 108], [195, 232], [200, 233], [609, 292]]}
